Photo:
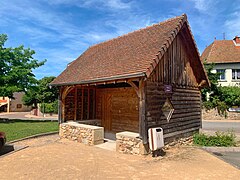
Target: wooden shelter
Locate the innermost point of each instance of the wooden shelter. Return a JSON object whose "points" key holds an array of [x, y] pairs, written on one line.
{"points": [[147, 78]]}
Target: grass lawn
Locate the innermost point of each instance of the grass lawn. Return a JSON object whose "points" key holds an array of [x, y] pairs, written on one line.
{"points": [[17, 130]]}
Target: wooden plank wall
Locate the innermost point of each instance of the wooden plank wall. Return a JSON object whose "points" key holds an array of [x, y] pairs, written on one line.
{"points": [[119, 107], [186, 104], [80, 104], [174, 69], [69, 106]]}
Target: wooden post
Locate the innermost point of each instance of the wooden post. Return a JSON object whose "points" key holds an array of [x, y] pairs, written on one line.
{"points": [[64, 94], [142, 112], [82, 104], [88, 103], [75, 104], [94, 103]]}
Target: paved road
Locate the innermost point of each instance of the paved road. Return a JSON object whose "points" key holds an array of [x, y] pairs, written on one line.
{"points": [[221, 126], [25, 116], [230, 157]]}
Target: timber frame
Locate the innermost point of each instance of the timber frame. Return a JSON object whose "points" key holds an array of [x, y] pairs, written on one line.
{"points": [[138, 84]]}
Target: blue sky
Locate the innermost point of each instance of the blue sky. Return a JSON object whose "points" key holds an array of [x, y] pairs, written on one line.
{"points": [[60, 30]]}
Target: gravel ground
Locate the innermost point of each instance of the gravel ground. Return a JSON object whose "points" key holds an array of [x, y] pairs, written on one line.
{"points": [[52, 158]]}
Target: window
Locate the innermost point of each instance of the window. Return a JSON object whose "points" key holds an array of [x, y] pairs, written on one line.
{"points": [[236, 74], [167, 109], [19, 106], [221, 73]]}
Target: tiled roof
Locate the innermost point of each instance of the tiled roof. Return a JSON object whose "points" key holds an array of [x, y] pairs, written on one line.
{"points": [[221, 51], [130, 55]]}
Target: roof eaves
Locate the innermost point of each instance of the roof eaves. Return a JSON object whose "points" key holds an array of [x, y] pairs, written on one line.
{"points": [[105, 79]]}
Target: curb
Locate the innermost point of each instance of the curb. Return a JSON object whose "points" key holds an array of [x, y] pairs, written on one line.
{"points": [[221, 149], [224, 121], [26, 120], [33, 136]]}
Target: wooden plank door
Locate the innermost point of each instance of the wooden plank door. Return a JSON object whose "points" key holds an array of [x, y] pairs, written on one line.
{"points": [[106, 112]]}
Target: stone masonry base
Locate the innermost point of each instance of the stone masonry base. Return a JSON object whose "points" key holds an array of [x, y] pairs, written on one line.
{"points": [[130, 143], [86, 134]]}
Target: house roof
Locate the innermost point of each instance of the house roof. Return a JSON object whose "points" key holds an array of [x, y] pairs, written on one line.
{"points": [[128, 56], [221, 51]]}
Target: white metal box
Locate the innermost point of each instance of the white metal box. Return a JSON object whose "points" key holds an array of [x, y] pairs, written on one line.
{"points": [[156, 140]]}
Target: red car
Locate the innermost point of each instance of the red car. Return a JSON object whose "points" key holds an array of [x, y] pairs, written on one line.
{"points": [[2, 139]]}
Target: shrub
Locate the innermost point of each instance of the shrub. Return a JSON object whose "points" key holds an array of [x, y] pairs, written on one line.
{"points": [[221, 106], [230, 95], [219, 139], [49, 107], [222, 109], [208, 105]]}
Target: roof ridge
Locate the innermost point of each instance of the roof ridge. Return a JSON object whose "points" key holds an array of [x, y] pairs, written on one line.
{"points": [[147, 27]]}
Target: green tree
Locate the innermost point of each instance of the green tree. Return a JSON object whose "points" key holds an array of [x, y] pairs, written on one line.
{"points": [[30, 97], [46, 93], [230, 95], [42, 93], [16, 66], [213, 90]]}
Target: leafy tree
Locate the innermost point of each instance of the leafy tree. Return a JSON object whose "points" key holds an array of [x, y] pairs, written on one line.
{"points": [[213, 90], [47, 94], [49, 107], [230, 95], [16, 65], [41, 93], [30, 96]]}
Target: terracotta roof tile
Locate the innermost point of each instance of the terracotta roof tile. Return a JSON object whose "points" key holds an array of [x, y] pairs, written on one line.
{"points": [[129, 54], [221, 51]]}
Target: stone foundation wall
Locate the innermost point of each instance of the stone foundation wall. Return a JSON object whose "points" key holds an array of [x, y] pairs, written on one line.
{"points": [[86, 134], [129, 143]]}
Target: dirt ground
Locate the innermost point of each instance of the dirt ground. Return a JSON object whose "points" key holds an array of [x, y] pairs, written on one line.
{"points": [[51, 158]]}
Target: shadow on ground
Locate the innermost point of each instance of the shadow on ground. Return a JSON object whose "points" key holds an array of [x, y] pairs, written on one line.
{"points": [[8, 148]]}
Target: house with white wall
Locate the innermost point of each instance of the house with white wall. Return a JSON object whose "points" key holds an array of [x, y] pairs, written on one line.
{"points": [[225, 54]]}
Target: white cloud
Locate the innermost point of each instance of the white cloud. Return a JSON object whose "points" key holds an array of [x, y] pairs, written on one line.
{"points": [[117, 4], [110, 4], [205, 6], [232, 24]]}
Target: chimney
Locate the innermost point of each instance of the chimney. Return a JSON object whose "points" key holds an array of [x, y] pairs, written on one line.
{"points": [[237, 40]]}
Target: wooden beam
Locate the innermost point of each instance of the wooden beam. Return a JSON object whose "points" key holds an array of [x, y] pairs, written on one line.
{"points": [[66, 91], [130, 82]]}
